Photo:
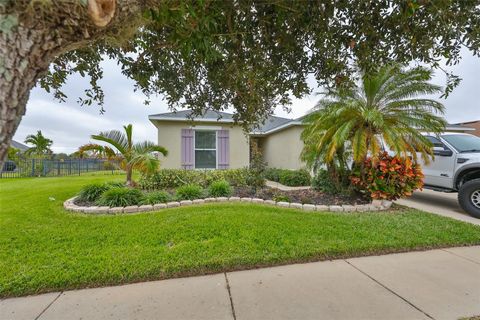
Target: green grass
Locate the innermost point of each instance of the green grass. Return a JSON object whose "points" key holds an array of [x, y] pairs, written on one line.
{"points": [[44, 248]]}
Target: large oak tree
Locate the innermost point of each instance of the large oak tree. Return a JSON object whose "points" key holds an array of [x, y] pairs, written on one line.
{"points": [[251, 55]]}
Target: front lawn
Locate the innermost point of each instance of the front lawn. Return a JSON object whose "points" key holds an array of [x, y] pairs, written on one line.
{"points": [[44, 248]]}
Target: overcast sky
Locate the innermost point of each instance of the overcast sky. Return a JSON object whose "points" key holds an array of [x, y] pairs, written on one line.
{"points": [[70, 125]]}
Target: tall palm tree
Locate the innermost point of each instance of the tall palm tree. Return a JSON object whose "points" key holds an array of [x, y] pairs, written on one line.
{"points": [[41, 144], [383, 106], [131, 155]]}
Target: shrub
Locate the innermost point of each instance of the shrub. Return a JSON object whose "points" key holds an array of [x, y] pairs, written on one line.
{"points": [[92, 192], [121, 197], [388, 177], [156, 197], [174, 178], [115, 184], [295, 178], [256, 171], [292, 178], [273, 174], [281, 198], [189, 192], [220, 189], [324, 182]]}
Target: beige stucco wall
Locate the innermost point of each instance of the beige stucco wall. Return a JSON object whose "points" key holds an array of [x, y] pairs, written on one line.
{"points": [[282, 149], [169, 136]]}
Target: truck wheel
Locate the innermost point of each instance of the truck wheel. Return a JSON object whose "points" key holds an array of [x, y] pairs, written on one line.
{"points": [[469, 197]]}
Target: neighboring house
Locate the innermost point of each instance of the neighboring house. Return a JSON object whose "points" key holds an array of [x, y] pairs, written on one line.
{"points": [[214, 141], [475, 125], [18, 145]]}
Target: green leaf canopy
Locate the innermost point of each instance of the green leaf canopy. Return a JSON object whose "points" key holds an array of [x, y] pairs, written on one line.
{"points": [[255, 55]]}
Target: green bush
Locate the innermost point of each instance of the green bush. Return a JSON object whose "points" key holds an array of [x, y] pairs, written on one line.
{"points": [[114, 184], [292, 178], [220, 189], [174, 178], [155, 197], [256, 171], [189, 192], [92, 192], [281, 198], [273, 174], [121, 197], [323, 182]]}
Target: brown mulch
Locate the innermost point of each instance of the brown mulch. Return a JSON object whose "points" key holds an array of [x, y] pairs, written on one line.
{"points": [[309, 196]]}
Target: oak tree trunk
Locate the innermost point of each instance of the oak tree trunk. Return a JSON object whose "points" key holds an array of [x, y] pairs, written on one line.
{"points": [[25, 58], [29, 42]]}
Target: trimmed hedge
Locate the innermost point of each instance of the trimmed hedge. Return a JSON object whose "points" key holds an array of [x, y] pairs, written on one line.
{"points": [[174, 178], [291, 178]]}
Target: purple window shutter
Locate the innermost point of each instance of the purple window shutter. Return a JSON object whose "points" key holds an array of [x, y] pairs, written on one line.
{"points": [[187, 149], [223, 149]]}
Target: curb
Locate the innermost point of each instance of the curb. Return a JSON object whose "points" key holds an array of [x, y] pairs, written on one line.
{"points": [[375, 205]]}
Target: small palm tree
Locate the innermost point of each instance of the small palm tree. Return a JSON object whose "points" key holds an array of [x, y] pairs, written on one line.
{"points": [[41, 144], [132, 156], [382, 107]]}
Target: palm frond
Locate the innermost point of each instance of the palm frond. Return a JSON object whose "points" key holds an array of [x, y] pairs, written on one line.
{"points": [[129, 132], [145, 163], [384, 104], [149, 147], [114, 137]]}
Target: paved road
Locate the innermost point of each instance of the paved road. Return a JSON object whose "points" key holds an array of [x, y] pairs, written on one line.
{"points": [[441, 203], [436, 284]]}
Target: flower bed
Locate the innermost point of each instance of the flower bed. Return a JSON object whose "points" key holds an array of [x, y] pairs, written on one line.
{"points": [[374, 206], [112, 198]]}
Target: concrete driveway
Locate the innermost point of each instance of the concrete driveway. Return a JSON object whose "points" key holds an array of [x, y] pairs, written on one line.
{"points": [[441, 203]]}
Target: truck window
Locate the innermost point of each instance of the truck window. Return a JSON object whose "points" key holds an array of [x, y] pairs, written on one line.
{"points": [[436, 142]]}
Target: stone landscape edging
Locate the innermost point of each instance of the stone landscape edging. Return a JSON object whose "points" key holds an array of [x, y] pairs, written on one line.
{"points": [[375, 205]]}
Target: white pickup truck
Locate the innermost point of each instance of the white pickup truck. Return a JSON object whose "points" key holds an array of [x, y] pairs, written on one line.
{"points": [[456, 168]]}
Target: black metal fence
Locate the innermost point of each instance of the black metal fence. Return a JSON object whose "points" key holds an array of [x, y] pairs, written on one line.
{"points": [[28, 167]]}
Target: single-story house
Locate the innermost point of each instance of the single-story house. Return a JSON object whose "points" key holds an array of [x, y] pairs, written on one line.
{"points": [[215, 141], [19, 146]]}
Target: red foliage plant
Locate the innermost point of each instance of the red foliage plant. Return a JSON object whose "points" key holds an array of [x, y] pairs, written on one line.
{"points": [[388, 177]]}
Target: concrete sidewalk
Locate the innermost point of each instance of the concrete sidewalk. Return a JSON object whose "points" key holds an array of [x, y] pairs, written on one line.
{"points": [[436, 284]]}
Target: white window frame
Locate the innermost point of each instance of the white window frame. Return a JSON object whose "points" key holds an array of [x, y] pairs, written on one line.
{"points": [[195, 147]]}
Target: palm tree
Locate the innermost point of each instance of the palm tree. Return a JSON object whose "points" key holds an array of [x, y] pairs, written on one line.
{"points": [[132, 156], [41, 144], [383, 106]]}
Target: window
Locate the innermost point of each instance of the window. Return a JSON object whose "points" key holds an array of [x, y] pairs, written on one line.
{"points": [[435, 141], [205, 149], [463, 143]]}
